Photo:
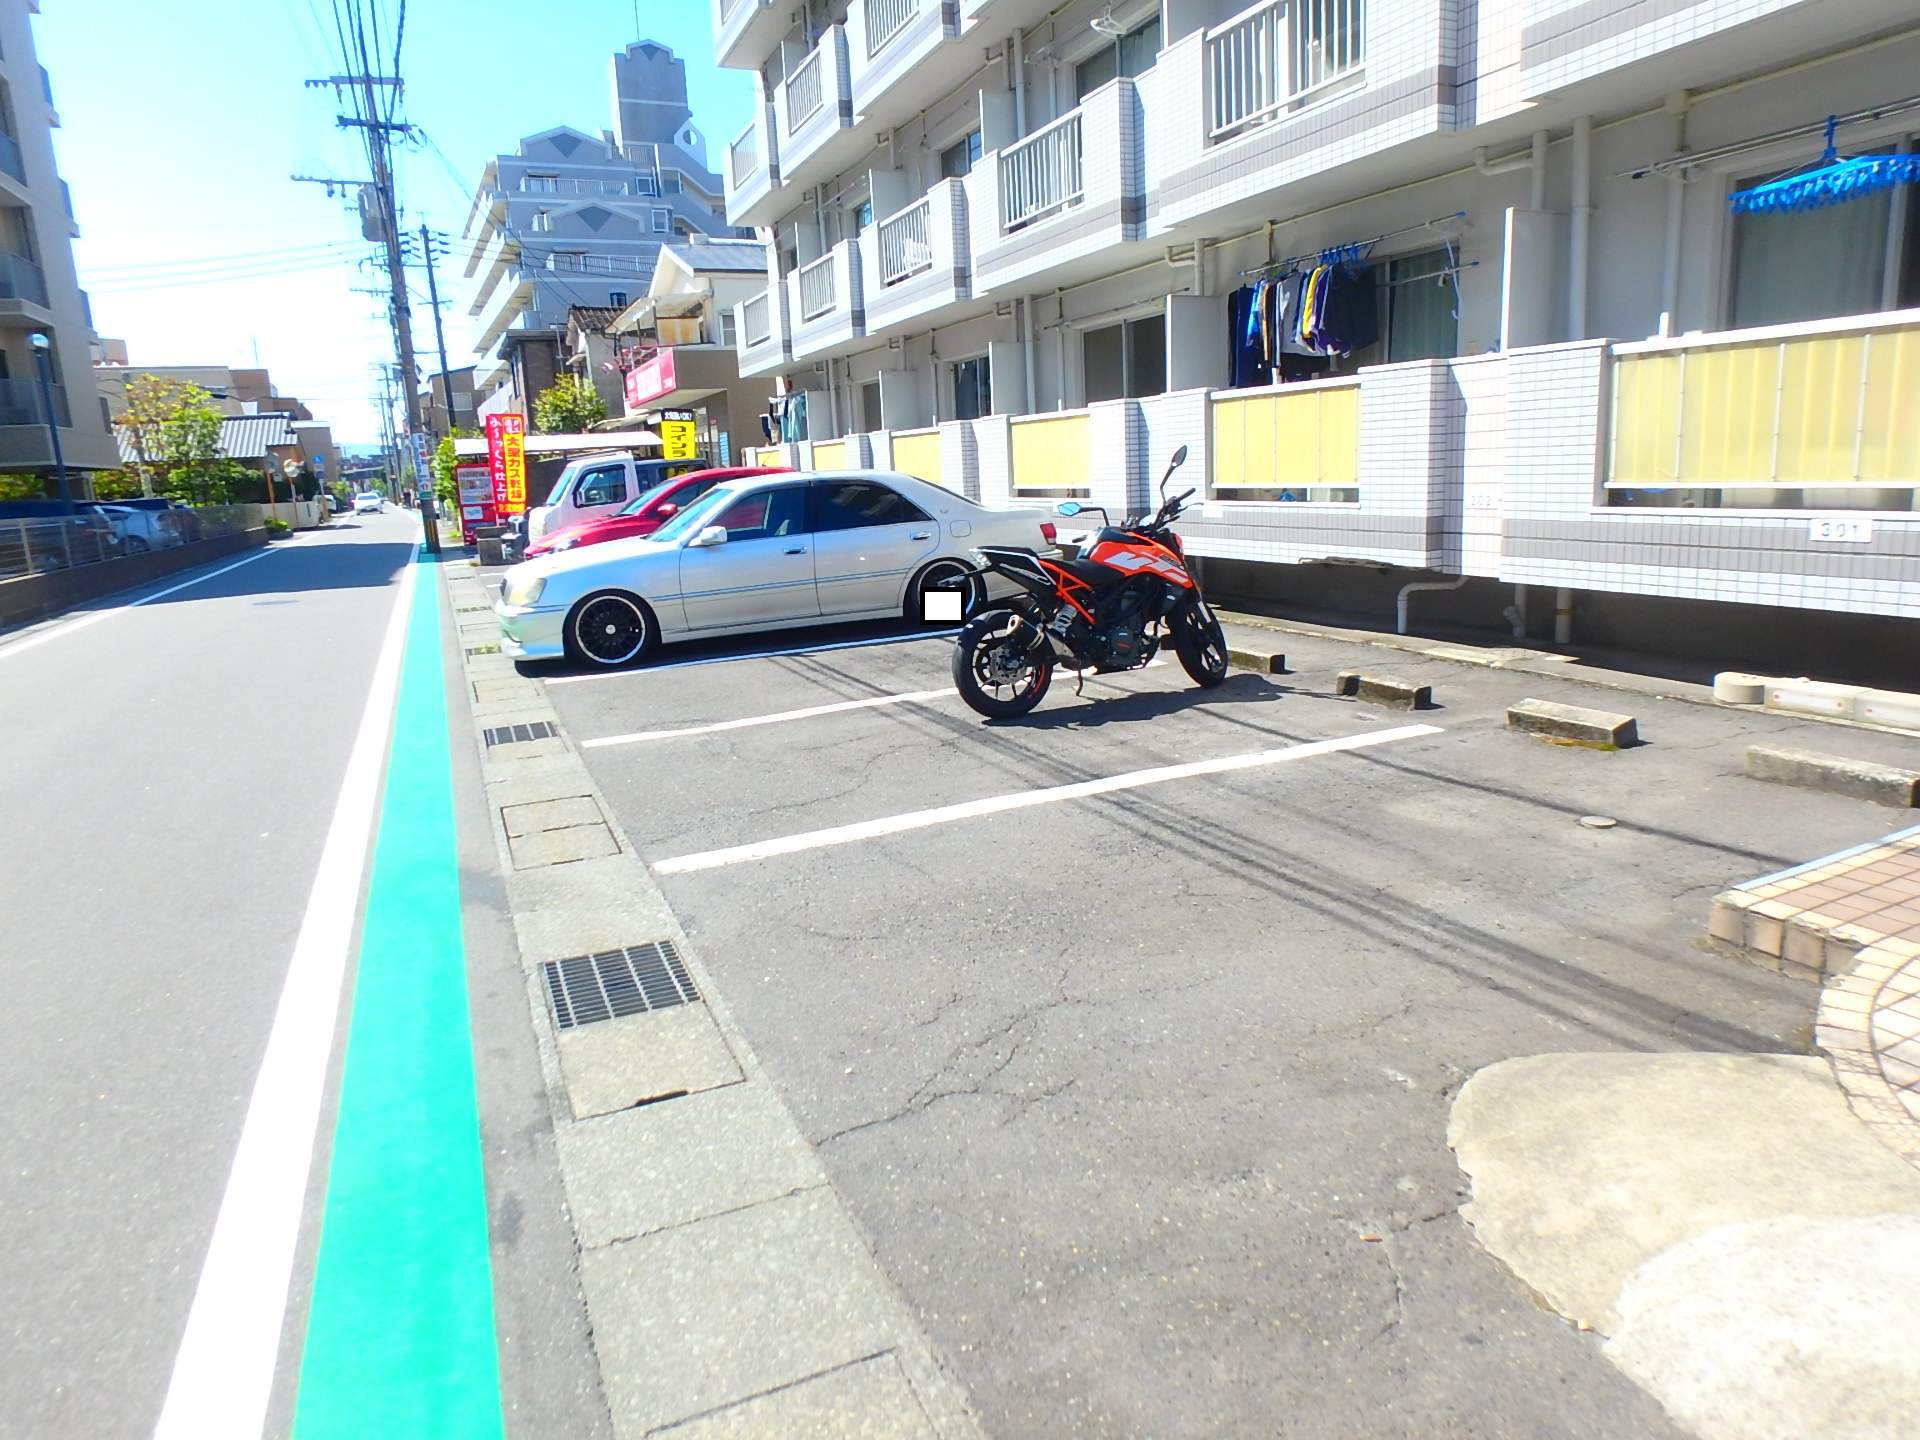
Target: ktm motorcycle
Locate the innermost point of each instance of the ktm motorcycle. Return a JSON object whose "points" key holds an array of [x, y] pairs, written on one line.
{"points": [[1111, 609]]}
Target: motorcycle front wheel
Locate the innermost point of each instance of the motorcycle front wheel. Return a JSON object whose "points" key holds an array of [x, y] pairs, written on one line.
{"points": [[1201, 645], [996, 666]]}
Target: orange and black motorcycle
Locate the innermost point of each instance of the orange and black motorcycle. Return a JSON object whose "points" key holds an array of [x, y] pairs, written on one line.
{"points": [[1111, 609]]}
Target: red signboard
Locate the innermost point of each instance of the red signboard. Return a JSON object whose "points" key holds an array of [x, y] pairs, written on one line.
{"points": [[506, 437], [650, 380]]}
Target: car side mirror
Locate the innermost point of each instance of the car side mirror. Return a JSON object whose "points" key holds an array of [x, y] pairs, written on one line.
{"points": [[711, 536], [667, 511], [1067, 507]]}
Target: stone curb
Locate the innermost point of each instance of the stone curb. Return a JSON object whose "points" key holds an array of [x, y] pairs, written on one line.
{"points": [[781, 1312], [1577, 723], [1384, 690], [1835, 775], [1264, 662]]}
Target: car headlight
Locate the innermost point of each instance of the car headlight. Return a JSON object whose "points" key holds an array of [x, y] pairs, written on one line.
{"points": [[524, 590]]}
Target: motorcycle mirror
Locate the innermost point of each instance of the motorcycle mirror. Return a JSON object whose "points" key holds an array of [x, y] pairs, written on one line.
{"points": [[1067, 507], [1179, 459]]}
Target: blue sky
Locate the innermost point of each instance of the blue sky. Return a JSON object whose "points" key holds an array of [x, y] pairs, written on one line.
{"points": [[182, 122]]}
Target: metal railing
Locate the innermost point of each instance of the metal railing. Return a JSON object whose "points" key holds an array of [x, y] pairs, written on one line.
{"points": [[727, 7], [46, 84], [1276, 56], [886, 19], [904, 248], [817, 288], [564, 185], [803, 92], [21, 279], [43, 544], [1042, 173], [66, 199], [593, 264], [20, 404], [10, 159], [743, 156], [756, 318]]}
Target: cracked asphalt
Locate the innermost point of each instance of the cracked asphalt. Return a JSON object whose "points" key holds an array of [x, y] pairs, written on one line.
{"points": [[1140, 1099]]}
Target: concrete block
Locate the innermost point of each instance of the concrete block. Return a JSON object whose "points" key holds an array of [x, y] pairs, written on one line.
{"points": [[1728, 919], [1260, 661], [617, 1064], [1811, 697], [1384, 690], [1577, 723], [1804, 944], [1893, 708], [1834, 774], [1763, 937], [1732, 687], [1794, 971], [868, 1401]]}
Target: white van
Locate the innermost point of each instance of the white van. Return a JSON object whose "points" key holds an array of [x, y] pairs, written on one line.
{"points": [[596, 486]]}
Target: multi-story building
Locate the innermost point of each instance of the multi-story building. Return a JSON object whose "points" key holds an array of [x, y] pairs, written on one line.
{"points": [[573, 219], [447, 400], [232, 390], [1014, 246], [39, 292]]}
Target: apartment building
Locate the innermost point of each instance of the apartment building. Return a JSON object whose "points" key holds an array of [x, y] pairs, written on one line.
{"points": [[233, 390], [447, 400], [39, 292], [1014, 249], [571, 219]]}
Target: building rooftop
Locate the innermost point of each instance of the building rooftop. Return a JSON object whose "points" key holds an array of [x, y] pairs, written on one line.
{"points": [[744, 256], [242, 437]]}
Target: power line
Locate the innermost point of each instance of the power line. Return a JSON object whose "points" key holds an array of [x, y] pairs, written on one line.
{"points": [[204, 261]]}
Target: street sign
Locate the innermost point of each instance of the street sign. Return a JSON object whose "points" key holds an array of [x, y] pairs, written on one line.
{"points": [[422, 471], [507, 462], [679, 436]]}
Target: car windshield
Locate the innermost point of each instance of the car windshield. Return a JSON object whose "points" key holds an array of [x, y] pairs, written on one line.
{"points": [[560, 485], [647, 497], [696, 516]]}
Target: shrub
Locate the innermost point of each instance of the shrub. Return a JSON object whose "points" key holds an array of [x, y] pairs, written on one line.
{"points": [[276, 527]]}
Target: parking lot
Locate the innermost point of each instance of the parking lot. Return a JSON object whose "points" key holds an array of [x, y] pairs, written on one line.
{"points": [[1129, 1030]]}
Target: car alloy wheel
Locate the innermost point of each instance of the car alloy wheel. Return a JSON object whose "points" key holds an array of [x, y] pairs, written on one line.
{"points": [[610, 630]]}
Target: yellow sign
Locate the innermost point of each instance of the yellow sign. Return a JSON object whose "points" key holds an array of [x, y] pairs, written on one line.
{"points": [[513, 454], [679, 440]]}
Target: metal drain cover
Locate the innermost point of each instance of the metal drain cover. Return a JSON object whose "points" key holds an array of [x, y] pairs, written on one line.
{"points": [[484, 650], [629, 981], [516, 734]]}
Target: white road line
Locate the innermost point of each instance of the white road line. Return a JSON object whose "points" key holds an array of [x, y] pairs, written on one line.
{"points": [[223, 1373], [753, 655], [1020, 800], [83, 621], [911, 697]]}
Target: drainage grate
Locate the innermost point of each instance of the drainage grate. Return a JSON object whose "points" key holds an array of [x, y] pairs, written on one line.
{"points": [[613, 983], [469, 609], [484, 650], [514, 734]]}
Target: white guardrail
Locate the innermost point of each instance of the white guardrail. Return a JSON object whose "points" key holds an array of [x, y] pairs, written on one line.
{"points": [[1042, 173], [743, 156], [886, 19], [1274, 57], [756, 318], [904, 248], [816, 288], [803, 92]]}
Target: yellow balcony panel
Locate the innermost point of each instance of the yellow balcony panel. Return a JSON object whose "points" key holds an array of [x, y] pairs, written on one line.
{"points": [[1050, 455], [917, 452]]}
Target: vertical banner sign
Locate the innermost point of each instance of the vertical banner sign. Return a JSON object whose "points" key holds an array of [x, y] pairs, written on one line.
{"points": [[513, 454], [679, 436], [422, 470], [497, 461]]}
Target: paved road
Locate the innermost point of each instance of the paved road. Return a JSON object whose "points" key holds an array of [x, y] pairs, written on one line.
{"points": [[1141, 1097], [171, 773]]}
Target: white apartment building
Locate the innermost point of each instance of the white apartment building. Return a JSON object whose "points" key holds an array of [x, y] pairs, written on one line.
{"points": [[1007, 241]]}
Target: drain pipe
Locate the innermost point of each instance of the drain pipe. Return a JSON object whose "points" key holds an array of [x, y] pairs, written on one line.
{"points": [[1562, 616], [1400, 601], [1516, 613], [1019, 58], [1026, 343], [1539, 176], [1582, 228]]}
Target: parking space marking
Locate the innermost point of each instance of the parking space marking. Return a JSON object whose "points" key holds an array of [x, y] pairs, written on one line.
{"points": [[754, 655], [1020, 800], [910, 697]]}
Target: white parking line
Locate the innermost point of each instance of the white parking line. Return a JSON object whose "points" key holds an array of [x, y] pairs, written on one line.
{"points": [[910, 697], [753, 655], [1020, 800]]}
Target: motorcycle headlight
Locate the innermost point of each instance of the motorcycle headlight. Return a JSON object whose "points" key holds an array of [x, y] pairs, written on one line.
{"points": [[524, 590]]}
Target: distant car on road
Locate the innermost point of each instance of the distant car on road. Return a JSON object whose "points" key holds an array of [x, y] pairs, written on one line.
{"points": [[761, 553], [649, 512], [369, 502]]}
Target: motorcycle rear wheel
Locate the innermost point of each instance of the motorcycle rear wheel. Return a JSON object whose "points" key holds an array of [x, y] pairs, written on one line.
{"points": [[987, 677], [1201, 645]]}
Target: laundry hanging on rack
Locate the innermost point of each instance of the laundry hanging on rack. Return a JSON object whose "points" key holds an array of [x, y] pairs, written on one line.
{"points": [[1264, 344]]}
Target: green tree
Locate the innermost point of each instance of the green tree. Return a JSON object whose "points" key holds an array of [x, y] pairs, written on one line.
{"points": [[117, 484], [569, 405], [446, 488], [189, 445], [150, 400]]}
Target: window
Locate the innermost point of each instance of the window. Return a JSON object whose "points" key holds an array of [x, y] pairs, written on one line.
{"points": [[644, 185], [662, 221], [602, 485], [617, 299], [870, 419], [668, 186], [852, 504], [729, 329], [1130, 55], [1126, 361], [540, 184], [959, 158], [1415, 301], [767, 515], [1810, 265], [542, 221], [972, 388], [862, 217]]}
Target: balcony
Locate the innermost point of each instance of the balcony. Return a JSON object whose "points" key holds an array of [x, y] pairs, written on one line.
{"points": [[1280, 57], [1048, 206], [916, 260], [753, 170], [20, 404], [23, 291], [899, 60], [11, 162], [502, 305], [761, 323], [824, 299], [66, 203], [745, 32], [46, 89], [814, 106]]}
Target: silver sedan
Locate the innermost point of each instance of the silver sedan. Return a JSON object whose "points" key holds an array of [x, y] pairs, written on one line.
{"points": [[766, 553]]}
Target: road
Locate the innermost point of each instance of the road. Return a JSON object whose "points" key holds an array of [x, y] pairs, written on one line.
{"points": [[1141, 1096], [172, 772]]}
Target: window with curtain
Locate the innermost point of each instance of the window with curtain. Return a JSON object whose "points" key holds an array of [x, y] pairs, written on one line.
{"points": [[959, 158], [1809, 265], [972, 388], [1416, 303], [1126, 361], [1131, 55]]}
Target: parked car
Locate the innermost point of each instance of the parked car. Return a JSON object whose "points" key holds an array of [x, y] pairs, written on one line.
{"points": [[181, 517], [646, 514], [760, 553], [139, 529], [369, 502], [53, 539], [337, 504], [595, 486]]}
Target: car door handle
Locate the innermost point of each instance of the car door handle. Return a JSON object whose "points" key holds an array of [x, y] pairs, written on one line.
{"points": [[921, 535], [798, 550]]}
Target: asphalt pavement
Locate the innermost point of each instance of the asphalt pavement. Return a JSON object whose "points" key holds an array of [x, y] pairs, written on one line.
{"points": [[1128, 1031]]}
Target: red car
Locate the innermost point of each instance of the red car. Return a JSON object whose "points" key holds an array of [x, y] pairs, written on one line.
{"points": [[649, 512]]}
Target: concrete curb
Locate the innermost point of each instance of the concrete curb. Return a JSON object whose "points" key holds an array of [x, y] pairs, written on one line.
{"points": [[1835, 775], [1602, 729], [708, 1230], [1384, 690], [1264, 662]]}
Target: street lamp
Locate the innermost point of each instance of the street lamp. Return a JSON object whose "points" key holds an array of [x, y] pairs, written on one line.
{"points": [[44, 364]]}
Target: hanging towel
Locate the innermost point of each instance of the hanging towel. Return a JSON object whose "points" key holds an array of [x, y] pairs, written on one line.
{"points": [[1287, 305], [1350, 318]]}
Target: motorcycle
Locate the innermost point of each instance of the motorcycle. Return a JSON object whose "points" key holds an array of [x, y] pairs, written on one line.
{"points": [[1109, 610]]}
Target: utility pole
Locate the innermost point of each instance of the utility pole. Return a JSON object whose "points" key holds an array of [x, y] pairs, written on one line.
{"points": [[427, 242]]}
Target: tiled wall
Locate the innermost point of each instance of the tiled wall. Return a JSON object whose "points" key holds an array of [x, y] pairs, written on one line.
{"points": [[1564, 41]]}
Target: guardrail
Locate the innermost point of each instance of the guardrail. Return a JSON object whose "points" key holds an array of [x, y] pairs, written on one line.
{"points": [[1042, 173], [886, 19], [756, 318], [743, 156], [905, 250], [803, 91], [1274, 57], [43, 545], [21, 279], [817, 288]]}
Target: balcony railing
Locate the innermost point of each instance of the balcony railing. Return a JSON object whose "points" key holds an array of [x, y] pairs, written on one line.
{"points": [[559, 185], [756, 318], [10, 160], [904, 248], [66, 199], [886, 19], [46, 84], [21, 279], [816, 288], [743, 156], [803, 92], [20, 404], [1276, 56], [727, 7], [594, 264], [1041, 174]]}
